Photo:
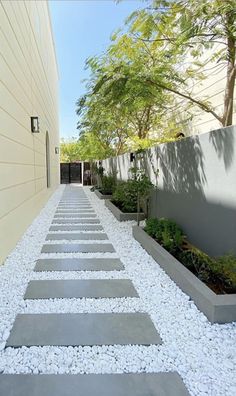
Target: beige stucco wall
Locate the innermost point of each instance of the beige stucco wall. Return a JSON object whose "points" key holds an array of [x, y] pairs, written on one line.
{"points": [[28, 87], [212, 89]]}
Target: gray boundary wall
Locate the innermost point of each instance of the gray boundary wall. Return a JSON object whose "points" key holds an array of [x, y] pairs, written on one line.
{"points": [[196, 186]]}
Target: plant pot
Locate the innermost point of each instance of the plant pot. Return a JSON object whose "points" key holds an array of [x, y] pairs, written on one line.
{"points": [[121, 216], [102, 196], [217, 308]]}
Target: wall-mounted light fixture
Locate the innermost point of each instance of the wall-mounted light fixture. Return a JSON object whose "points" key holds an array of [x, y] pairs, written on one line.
{"points": [[57, 150], [132, 157], [34, 124]]}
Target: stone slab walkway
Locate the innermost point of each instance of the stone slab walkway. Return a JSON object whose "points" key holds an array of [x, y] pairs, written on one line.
{"points": [[77, 288], [77, 237], [75, 221], [81, 264], [161, 384], [83, 329], [86, 227], [78, 248]]}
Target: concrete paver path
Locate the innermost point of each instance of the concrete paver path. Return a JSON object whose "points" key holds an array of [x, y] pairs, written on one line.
{"points": [[84, 329]]}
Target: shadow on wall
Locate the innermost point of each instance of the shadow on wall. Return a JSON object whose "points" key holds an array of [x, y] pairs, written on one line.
{"points": [[208, 225], [182, 195], [182, 167], [223, 142], [196, 186]]}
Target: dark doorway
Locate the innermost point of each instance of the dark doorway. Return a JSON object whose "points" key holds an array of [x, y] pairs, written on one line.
{"points": [[71, 172]]}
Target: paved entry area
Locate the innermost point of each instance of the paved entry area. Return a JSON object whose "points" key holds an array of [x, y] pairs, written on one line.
{"points": [[74, 230]]}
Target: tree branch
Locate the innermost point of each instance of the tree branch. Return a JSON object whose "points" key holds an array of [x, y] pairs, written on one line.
{"points": [[190, 98]]}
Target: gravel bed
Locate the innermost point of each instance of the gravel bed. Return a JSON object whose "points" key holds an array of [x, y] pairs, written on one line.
{"points": [[203, 354], [83, 305]]}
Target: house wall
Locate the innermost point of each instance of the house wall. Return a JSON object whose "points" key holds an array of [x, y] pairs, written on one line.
{"points": [[212, 89], [196, 186], [28, 87]]}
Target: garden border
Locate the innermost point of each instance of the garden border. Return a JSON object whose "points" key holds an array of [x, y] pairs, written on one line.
{"points": [[217, 308], [102, 196], [121, 216]]}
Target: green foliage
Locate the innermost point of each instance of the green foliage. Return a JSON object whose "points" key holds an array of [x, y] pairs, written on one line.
{"points": [[69, 151], [126, 196], [143, 183], [226, 266], [197, 262], [92, 147], [166, 232], [218, 273], [130, 194], [108, 184], [133, 94]]}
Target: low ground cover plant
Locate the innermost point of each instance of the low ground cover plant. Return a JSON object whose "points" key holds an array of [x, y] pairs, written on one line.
{"points": [[219, 273]]}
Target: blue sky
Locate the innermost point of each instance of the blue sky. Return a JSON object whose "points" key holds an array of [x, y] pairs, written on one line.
{"points": [[82, 28]]}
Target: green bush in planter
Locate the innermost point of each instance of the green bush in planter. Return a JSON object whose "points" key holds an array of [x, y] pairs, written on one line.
{"points": [[218, 273], [225, 267], [108, 185], [132, 194], [125, 196], [166, 232], [197, 262]]}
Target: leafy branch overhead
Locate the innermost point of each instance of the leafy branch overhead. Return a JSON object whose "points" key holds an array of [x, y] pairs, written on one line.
{"points": [[140, 89]]}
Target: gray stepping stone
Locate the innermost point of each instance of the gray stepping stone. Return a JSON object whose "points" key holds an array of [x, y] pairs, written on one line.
{"points": [[76, 221], [76, 237], [75, 204], [80, 264], [78, 248], [75, 215], [77, 200], [90, 227], [74, 211], [80, 288], [83, 329], [160, 384], [78, 207]]}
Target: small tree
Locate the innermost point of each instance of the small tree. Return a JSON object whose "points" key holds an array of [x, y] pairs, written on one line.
{"points": [[143, 188]]}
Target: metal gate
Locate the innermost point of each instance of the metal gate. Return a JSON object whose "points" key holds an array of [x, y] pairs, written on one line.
{"points": [[71, 172]]}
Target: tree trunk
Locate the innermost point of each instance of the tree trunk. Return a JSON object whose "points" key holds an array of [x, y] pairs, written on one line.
{"points": [[231, 73]]}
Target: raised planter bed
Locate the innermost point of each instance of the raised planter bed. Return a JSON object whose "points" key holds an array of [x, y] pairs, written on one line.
{"points": [[121, 216], [217, 308], [102, 196]]}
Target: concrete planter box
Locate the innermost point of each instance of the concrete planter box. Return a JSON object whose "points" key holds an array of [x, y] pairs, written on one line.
{"points": [[102, 196], [121, 216], [217, 308]]}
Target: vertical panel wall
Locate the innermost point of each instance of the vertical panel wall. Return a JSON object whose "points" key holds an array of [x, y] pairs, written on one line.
{"points": [[196, 186], [28, 87]]}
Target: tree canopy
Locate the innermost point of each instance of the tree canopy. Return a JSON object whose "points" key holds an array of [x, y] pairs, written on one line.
{"points": [[132, 95]]}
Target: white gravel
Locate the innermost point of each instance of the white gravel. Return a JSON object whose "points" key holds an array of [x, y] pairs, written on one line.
{"points": [[203, 354]]}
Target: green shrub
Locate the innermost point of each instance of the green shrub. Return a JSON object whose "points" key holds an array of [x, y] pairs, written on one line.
{"points": [[125, 196], [166, 232], [225, 266], [135, 190], [108, 185], [151, 227], [198, 262], [218, 273]]}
